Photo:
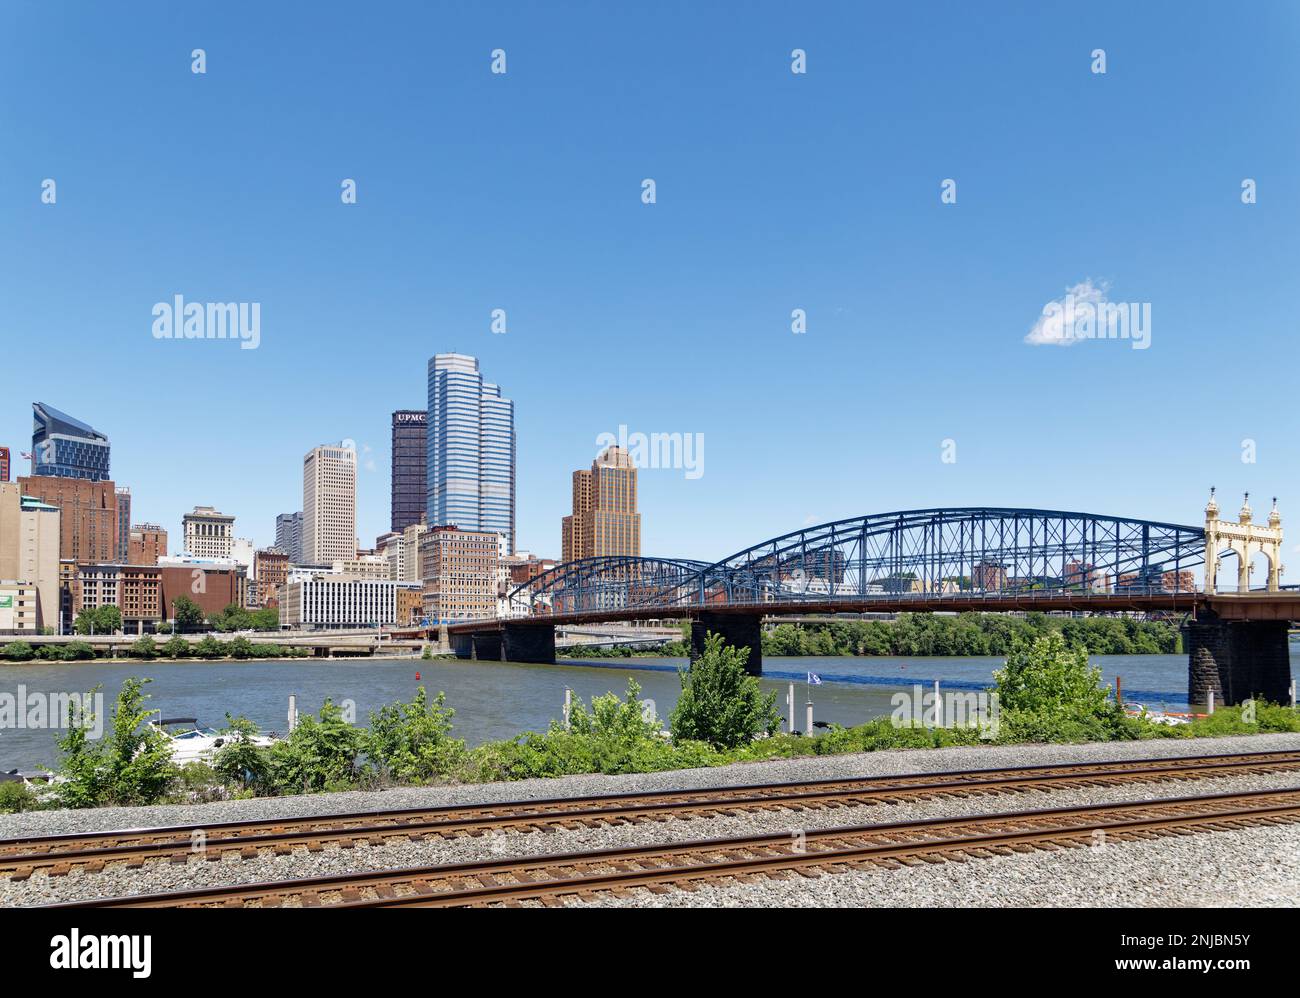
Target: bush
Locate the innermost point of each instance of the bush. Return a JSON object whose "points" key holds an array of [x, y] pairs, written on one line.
{"points": [[319, 754], [241, 648], [613, 736], [210, 647], [144, 647], [1048, 692], [720, 703], [132, 764], [18, 651], [177, 647], [411, 742], [75, 650], [239, 761], [16, 796]]}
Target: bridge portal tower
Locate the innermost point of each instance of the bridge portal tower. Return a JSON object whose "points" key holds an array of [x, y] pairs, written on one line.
{"points": [[1245, 539]]}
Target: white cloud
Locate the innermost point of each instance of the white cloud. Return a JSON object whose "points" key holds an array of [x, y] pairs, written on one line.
{"points": [[1062, 326]]}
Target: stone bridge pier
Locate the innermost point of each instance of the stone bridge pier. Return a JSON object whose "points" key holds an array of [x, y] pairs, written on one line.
{"points": [[1237, 660], [741, 630], [514, 642]]}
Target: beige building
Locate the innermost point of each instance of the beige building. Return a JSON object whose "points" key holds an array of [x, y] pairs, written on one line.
{"points": [[29, 549], [460, 573], [208, 534], [366, 566], [605, 520], [329, 504], [402, 549], [18, 608]]}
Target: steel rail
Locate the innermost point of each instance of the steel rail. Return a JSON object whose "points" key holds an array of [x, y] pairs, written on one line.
{"points": [[664, 866], [58, 854]]}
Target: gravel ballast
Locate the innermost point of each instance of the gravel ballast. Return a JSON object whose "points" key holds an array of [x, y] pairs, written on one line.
{"points": [[162, 876]]}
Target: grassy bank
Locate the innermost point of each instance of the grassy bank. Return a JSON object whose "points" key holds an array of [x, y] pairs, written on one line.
{"points": [[1047, 692]]}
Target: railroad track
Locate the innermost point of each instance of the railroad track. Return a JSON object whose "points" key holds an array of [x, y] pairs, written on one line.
{"points": [[549, 880], [56, 855]]}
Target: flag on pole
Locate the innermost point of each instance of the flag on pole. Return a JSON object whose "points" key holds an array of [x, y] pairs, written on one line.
{"points": [[814, 679]]}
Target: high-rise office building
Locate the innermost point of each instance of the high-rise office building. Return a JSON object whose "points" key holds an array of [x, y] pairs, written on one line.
{"points": [[288, 536], [63, 447], [329, 504], [471, 450], [208, 533], [123, 525], [410, 460], [605, 520], [88, 525]]}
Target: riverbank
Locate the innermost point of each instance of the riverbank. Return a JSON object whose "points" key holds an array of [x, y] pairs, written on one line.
{"points": [[882, 763]]}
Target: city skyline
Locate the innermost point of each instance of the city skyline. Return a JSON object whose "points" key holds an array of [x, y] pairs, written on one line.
{"points": [[827, 199]]}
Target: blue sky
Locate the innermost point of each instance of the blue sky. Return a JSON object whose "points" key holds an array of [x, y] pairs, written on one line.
{"points": [[775, 191]]}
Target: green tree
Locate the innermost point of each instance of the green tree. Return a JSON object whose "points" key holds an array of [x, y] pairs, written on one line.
{"points": [[720, 703], [210, 647], [186, 614], [232, 618], [241, 647], [18, 651], [266, 619], [144, 647], [177, 647], [108, 619]]}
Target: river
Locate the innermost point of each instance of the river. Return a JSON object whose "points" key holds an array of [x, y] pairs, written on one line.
{"points": [[499, 699]]}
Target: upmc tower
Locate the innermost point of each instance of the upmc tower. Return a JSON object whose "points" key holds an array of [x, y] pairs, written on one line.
{"points": [[409, 463]]}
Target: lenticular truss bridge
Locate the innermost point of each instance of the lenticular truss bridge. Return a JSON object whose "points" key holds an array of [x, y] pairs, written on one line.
{"points": [[552, 878], [993, 559]]}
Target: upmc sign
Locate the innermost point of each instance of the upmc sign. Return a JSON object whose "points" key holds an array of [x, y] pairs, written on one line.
{"points": [[410, 417]]}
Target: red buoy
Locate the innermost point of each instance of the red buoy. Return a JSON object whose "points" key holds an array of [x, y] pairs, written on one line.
{"points": [[417, 677]]}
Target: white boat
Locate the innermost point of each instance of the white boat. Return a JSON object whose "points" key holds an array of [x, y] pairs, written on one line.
{"points": [[192, 743]]}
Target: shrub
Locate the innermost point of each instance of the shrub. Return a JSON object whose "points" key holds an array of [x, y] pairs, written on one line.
{"points": [[411, 742], [18, 651], [144, 647], [1048, 692], [239, 761], [720, 703], [132, 764], [177, 647], [210, 647], [318, 753], [241, 648], [16, 796], [612, 736], [75, 650]]}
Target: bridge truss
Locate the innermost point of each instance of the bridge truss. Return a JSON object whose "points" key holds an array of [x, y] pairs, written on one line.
{"points": [[927, 553]]}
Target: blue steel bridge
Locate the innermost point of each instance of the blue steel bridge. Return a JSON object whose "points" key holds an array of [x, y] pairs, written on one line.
{"points": [[988, 559]]}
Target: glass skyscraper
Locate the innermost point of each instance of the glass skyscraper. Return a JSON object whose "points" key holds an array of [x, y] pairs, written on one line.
{"points": [[63, 447], [470, 450]]}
